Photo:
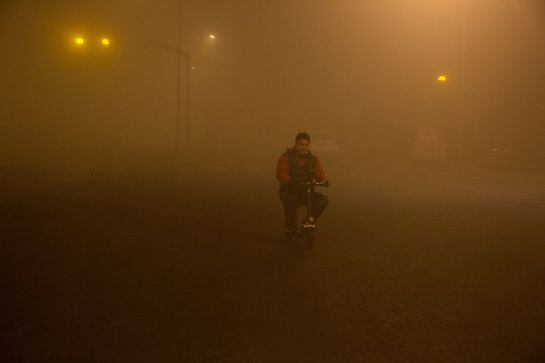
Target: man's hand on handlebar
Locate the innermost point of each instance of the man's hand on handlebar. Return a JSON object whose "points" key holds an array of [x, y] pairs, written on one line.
{"points": [[323, 183]]}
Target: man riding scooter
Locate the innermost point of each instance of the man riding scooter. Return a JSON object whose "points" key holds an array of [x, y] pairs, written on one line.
{"points": [[296, 168]]}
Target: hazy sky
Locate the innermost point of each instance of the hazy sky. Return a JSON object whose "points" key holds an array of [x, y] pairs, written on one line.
{"points": [[356, 68]]}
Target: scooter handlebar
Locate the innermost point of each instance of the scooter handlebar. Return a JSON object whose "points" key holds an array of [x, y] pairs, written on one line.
{"points": [[324, 183]]}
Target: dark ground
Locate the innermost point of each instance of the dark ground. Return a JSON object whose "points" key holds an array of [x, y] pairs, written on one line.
{"points": [[164, 265]]}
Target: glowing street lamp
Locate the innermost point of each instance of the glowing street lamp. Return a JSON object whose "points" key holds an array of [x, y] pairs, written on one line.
{"points": [[442, 78], [79, 41], [105, 42], [211, 36]]}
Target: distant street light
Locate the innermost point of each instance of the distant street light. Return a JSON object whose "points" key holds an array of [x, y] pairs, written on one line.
{"points": [[79, 41], [442, 78], [105, 42], [211, 36]]}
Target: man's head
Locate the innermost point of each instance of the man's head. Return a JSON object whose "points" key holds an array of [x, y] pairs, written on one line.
{"points": [[302, 143]]}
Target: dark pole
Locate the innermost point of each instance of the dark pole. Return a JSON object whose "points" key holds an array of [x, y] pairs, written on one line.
{"points": [[187, 57], [463, 60], [178, 80], [187, 98], [178, 106]]}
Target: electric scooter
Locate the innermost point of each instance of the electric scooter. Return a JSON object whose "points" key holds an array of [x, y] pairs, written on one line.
{"points": [[307, 229]]}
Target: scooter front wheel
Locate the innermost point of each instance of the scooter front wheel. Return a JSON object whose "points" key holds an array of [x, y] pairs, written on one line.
{"points": [[308, 238]]}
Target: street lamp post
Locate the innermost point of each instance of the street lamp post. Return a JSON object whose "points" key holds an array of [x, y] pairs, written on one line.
{"points": [[442, 115], [180, 54], [105, 42], [463, 59], [187, 57]]}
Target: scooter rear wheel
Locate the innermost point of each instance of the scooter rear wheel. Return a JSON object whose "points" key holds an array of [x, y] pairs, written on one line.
{"points": [[288, 235]]}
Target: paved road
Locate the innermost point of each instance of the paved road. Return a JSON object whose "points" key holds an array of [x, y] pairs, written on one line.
{"points": [[409, 266]]}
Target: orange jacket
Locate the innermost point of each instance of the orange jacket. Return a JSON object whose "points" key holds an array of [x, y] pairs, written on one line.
{"points": [[283, 169]]}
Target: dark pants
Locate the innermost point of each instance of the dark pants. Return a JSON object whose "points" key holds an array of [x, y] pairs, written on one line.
{"points": [[292, 201]]}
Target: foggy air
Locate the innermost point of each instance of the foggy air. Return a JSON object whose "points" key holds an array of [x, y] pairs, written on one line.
{"points": [[310, 180]]}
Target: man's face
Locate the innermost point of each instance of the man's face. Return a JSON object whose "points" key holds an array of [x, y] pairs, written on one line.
{"points": [[301, 146]]}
